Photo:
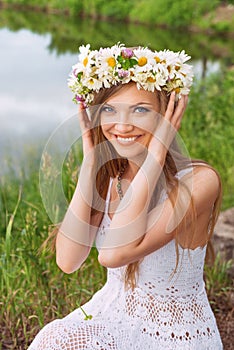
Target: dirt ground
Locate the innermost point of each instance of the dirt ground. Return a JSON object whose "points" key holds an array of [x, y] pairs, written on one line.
{"points": [[225, 322]]}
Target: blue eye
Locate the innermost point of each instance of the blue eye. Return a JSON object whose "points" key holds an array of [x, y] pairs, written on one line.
{"points": [[107, 109], [141, 109]]}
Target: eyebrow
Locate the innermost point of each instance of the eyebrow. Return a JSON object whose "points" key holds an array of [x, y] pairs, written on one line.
{"points": [[142, 103], [130, 106]]}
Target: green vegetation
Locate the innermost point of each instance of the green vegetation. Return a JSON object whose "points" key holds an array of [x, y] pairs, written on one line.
{"points": [[33, 289], [171, 13], [209, 120], [66, 35], [219, 285], [217, 278]]}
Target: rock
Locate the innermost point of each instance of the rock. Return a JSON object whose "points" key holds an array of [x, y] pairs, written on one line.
{"points": [[225, 225], [223, 238]]}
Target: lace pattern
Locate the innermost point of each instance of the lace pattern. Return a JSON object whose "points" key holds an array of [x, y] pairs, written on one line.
{"points": [[165, 310]]}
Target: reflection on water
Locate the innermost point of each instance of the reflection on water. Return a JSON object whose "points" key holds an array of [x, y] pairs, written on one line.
{"points": [[37, 52], [33, 91]]}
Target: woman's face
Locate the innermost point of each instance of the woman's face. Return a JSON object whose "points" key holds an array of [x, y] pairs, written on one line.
{"points": [[129, 118]]}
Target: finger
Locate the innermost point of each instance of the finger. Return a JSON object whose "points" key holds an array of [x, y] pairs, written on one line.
{"points": [[170, 106], [83, 118], [81, 105], [179, 111]]}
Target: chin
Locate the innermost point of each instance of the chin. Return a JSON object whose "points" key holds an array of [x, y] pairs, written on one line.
{"points": [[133, 152]]}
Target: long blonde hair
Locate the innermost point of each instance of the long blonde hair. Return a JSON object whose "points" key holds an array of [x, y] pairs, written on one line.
{"points": [[112, 163], [174, 162]]}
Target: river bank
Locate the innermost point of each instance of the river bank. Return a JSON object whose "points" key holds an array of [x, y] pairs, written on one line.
{"points": [[216, 21]]}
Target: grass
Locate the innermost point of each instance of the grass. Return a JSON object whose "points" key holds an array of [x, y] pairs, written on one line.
{"points": [[219, 288], [217, 279], [33, 290]]}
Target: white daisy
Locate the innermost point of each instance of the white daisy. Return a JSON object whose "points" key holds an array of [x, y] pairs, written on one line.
{"points": [[85, 60], [107, 59], [117, 64], [92, 83], [144, 59]]}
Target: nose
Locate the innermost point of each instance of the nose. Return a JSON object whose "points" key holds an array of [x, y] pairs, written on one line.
{"points": [[123, 127], [123, 123]]}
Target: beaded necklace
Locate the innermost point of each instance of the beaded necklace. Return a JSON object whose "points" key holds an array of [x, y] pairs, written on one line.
{"points": [[119, 178]]}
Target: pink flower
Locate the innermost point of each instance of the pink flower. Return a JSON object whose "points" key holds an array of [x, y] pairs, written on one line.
{"points": [[127, 53], [79, 98], [123, 73]]}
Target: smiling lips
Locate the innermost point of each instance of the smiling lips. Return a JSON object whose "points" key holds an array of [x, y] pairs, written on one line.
{"points": [[126, 139]]}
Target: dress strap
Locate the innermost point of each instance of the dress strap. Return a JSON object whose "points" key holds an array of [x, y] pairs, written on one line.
{"points": [[178, 175], [108, 196], [183, 172]]}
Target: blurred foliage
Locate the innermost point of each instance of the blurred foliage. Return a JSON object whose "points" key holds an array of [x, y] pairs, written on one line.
{"points": [[208, 127], [172, 13], [67, 33]]}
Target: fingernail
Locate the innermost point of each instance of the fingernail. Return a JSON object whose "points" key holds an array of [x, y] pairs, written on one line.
{"points": [[81, 105]]}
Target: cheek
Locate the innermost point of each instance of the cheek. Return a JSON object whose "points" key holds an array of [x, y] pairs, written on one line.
{"points": [[105, 130], [149, 126], [147, 139]]}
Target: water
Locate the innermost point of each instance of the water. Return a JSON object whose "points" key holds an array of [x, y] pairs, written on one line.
{"points": [[33, 93], [34, 97], [37, 53]]}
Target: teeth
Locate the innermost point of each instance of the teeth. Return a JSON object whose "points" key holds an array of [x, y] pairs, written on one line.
{"points": [[126, 139]]}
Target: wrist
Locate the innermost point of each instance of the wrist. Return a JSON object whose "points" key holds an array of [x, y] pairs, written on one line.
{"points": [[88, 165], [156, 158], [86, 176], [152, 168]]}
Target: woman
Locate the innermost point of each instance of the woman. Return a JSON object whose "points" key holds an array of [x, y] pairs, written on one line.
{"points": [[151, 211]]}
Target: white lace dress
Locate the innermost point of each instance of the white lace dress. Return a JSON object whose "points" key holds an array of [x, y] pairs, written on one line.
{"points": [[162, 313]]}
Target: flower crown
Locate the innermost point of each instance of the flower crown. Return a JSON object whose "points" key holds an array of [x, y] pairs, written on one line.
{"points": [[150, 70]]}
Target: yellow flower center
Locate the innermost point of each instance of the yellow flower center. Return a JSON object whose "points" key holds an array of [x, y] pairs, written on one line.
{"points": [[142, 61], [177, 90], [111, 62], [151, 80], [157, 59], [85, 61], [177, 68], [91, 81]]}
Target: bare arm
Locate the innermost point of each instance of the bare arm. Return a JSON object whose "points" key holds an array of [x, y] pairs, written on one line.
{"points": [[75, 237], [158, 232], [133, 232], [76, 234]]}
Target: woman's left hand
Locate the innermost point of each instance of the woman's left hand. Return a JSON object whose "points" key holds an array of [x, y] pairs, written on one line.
{"points": [[168, 126]]}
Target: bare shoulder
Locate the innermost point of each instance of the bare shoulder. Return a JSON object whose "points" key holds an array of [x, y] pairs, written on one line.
{"points": [[206, 185], [205, 174]]}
